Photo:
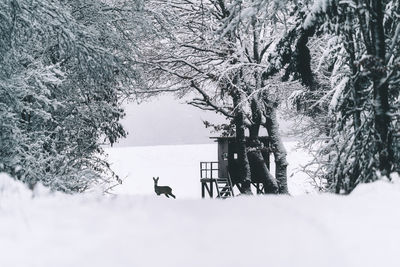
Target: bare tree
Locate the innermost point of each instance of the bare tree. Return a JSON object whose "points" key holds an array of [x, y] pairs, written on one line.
{"points": [[219, 49]]}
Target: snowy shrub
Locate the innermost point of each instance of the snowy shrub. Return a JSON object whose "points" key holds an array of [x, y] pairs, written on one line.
{"points": [[60, 89]]}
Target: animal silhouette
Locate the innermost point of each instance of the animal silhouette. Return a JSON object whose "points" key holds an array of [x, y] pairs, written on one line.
{"points": [[166, 190]]}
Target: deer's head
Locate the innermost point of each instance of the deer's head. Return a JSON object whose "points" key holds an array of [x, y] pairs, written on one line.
{"points": [[155, 180]]}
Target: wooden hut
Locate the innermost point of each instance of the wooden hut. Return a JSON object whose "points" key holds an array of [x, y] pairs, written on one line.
{"points": [[219, 178]]}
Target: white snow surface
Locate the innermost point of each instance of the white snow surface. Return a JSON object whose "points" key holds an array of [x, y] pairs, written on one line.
{"points": [[179, 167], [44, 229]]}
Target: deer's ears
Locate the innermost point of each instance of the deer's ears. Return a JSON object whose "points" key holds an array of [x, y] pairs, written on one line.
{"points": [[156, 179]]}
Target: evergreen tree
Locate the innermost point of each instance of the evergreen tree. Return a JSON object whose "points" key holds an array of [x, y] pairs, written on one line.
{"points": [[62, 79]]}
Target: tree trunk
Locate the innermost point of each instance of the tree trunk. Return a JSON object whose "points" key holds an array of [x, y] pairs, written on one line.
{"points": [[244, 165], [381, 94], [258, 166], [279, 150], [257, 161], [357, 99]]}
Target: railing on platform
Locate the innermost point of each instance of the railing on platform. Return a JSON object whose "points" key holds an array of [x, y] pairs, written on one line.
{"points": [[209, 178]]}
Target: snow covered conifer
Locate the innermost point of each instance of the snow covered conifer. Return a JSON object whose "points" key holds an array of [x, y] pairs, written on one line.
{"points": [[61, 83]]}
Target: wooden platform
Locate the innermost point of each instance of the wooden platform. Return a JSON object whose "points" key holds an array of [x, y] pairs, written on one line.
{"points": [[220, 187], [210, 181]]}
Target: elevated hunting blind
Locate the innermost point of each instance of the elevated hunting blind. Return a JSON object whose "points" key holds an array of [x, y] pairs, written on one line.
{"points": [[223, 175]]}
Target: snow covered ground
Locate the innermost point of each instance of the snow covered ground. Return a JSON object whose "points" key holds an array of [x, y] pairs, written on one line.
{"points": [[138, 229], [179, 167]]}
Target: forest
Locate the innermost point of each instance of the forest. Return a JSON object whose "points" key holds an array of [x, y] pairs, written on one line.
{"points": [[66, 68], [303, 168]]}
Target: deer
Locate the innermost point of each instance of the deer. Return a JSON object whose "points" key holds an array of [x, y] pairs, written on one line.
{"points": [[166, 190]]}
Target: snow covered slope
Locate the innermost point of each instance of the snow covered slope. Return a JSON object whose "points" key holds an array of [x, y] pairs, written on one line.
{"points": [[179, 167], [51, 230]]}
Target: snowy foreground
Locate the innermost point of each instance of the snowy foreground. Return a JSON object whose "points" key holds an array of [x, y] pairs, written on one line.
{"points": [[55, 230]]}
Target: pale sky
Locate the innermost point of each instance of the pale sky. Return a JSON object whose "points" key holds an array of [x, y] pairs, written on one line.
{"points": [[165, 120]]}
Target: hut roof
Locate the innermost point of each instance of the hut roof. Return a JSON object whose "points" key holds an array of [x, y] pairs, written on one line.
{"points": [[233, 137]]}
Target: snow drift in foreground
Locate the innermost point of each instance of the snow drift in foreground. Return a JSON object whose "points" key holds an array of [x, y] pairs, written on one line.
{"points": [[46, 230]]}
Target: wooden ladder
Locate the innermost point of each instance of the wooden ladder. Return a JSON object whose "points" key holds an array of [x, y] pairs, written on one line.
{"points": [[224, 188]]}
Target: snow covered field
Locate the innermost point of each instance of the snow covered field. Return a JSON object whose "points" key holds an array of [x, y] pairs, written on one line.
{"points": [[137, 229], [179, 167]]}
